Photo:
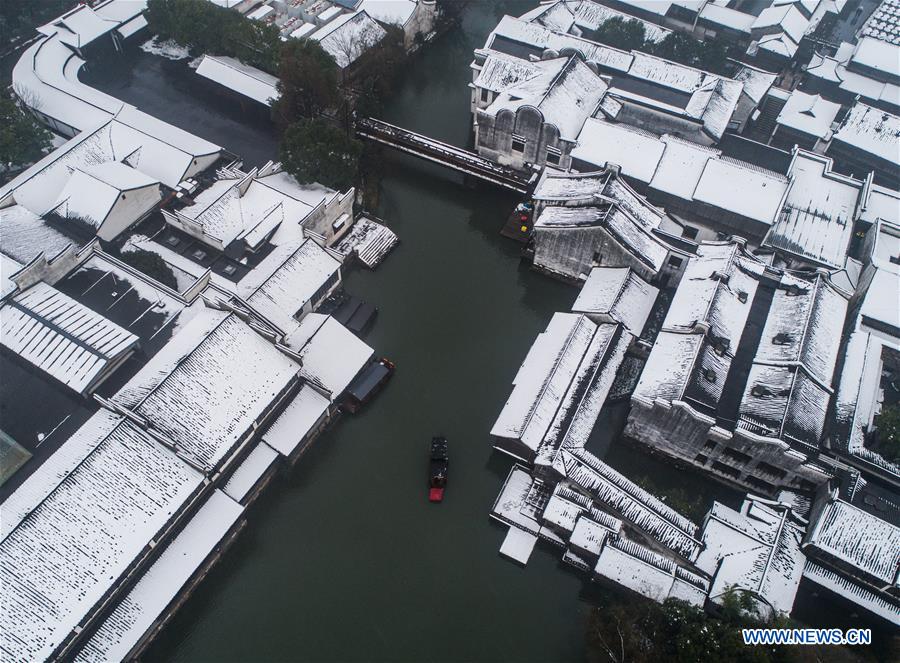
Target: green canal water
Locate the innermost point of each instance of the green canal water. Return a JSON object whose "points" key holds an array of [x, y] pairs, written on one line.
{"points": [[343, 558]]}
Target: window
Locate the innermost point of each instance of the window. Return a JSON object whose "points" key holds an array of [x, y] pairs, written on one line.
{"points": [[736, 456], [710, 375], [764, 486], [229, 269], [199, 254], [700, 458], [709, 445], [765, 468], [553, 158], [518, 143], [690, 232], [724, 469], [742, 297], [675, 261], [485, 94], [803, 484], [172, 240]]}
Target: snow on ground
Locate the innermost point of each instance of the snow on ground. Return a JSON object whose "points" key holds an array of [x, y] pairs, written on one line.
{"points": [[166, 49]]}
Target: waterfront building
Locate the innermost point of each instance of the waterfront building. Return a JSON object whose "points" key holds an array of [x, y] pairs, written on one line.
{"points": [[854, 553], [739, 380], [583, 220], [643, 90], [241, 211], [536, 119], [791, 212]]}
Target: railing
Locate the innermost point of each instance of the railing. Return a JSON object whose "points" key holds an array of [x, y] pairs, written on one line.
{"points": [[442, 153]]}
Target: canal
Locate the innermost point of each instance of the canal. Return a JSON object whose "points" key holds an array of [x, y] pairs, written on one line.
{"points": [[343, 558]]}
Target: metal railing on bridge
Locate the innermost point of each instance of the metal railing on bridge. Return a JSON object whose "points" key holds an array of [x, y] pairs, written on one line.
{"points": [[445, 154]]}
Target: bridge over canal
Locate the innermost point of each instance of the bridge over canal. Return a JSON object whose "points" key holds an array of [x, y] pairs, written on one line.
{"points": [[444, 154]]}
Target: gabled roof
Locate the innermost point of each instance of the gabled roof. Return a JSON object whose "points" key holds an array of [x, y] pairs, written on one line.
{"points": [[544, 378], [106, 493], [209, 385], [756, 549], [619, 294], [348, 36], [61, 337], [859, 540], [565, 90], [303, 273]]}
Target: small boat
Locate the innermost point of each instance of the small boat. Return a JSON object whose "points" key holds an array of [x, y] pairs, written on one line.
{"points": [[437, 469], [368, 383]]}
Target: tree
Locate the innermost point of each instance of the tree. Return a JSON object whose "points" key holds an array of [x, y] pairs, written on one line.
{"points": [[887, 424], [207, 28], [313, 150], [150, 264], [622, 33], [22, 139], [709, 55], [308, 82]]}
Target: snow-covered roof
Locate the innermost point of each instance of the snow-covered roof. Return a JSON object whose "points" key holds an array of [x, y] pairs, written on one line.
{"points": [[884, 22], [858, 539], [681, 166], [250, 471], [879, 604], [301, 274], [162, 582], [586, 394], [877, 54], [393, 12], [871, 130], [691, 357], [501, 71], [619, 294], [348, 36], [755, 549], [757, 82], [786, 18], [858, 394], [557, 186], [243, 207], [729, 18], [243, 79], [330, 353], [565, 90], [25, 235], [648, 573], [636, 151], [152, 150], [834, 70], [107, 493], [8, 267], [592, 15], [741, 188], [303, 31], [560, 231], [546, 374], [61, 337], [553, 15], [300, 416], [92, 192], [816, 220], [612, 490], [209, 385], [804, 326], [808, 114]]}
